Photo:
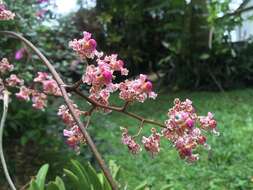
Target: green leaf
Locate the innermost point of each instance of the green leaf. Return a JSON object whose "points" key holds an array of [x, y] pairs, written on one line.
{"points": [[84, 170], [41, 176], [81, 175], [33, 185], [93, 177], [60, 183], [106, 185], [142, 186], [73, 178], [101, 178], [114, 168], [52, 186], [166, 187]]}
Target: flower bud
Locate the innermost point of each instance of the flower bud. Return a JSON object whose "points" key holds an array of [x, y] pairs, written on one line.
{"points": [[107, 76]]}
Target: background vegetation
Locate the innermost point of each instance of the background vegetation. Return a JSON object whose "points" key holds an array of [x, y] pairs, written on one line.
{"points": [[170, 41]]}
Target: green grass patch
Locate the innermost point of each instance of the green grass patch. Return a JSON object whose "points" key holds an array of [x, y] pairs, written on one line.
{"points": [[229, 164]]}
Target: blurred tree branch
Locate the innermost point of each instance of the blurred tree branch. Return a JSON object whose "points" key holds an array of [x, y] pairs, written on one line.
{"points": [[241, 9]]}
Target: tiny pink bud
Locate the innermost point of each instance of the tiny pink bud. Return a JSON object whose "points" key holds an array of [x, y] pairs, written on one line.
{"points": [[202, 140], [190, 123], [213, 124], [92, 44], [20, 54], [147, 86], [72, 141], [107, 75], [120, 63]]}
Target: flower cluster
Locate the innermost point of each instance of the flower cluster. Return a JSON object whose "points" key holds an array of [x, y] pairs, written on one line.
{"points": [[5, 14], [5, 66], [49, 85], [39, 99], [100, 76], [184, 128], [136, 90], [152, 143], [73, 133], [181, 129], [128, 140], [14, 80], [85, 47]]}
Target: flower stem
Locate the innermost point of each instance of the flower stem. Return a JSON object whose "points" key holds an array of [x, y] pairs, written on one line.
{"points": [[4, 115]]}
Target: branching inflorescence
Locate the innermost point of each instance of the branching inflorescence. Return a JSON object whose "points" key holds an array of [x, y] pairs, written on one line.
{"points": [[183, 128]]}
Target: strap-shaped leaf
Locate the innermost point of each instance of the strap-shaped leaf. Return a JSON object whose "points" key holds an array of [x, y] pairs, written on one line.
{"points": [[93, 177], [106, 186], [101, 178], [73, 179], [60, 183], [81, 176], [41, 176], [52, 186], [83, 168], [33, 185]]}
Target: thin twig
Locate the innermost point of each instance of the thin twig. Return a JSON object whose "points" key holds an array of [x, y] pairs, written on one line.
{"points": [[118, 109], [4, 115], [140, 129], [76, 85]]}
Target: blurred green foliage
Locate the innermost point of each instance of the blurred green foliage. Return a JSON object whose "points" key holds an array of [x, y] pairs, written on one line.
{"points": [[188, 44]]}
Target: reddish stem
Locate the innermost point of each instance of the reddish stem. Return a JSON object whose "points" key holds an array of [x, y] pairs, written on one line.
{"points": [[118, 109]]}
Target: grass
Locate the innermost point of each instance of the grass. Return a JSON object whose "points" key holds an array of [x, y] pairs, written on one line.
{"points": [[229, 164]]}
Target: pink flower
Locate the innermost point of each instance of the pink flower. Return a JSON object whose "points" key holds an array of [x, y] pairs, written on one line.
{"points": [[13, 80], [67, 118], [139, 89], [74, 137], [128, 140], [42, 76], [152, 143], [5, 66], [51, 87], [181, 129], [73, 133], [65, 115], [39, 100], [24, 93], [207, 122], [85, 47], [5, 14], [116, 65], [20, 53], [107, 77]]}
